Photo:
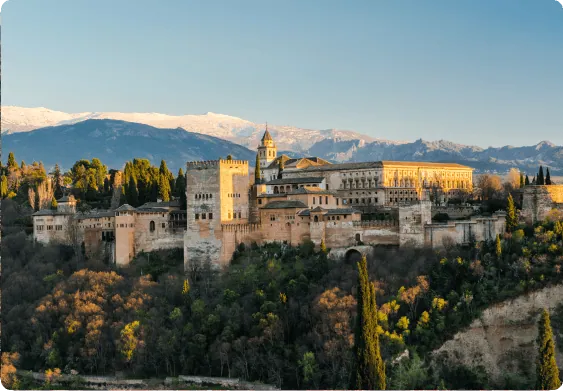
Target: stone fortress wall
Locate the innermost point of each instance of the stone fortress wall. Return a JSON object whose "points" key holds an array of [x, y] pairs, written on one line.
{"points": [[539, 201]]}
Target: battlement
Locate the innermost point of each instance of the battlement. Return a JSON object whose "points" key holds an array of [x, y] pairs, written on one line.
{"points": [[376, 223], [241, 227], [213, 164]]}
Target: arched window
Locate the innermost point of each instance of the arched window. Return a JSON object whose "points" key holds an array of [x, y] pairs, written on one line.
{"points": [[152, 226], [358, 237]]}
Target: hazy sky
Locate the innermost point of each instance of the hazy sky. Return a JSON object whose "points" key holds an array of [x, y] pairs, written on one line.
{"points": [[483, 72]]}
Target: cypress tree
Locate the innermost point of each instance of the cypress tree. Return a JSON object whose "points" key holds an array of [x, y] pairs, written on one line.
{"points": [[547, 373], [511, 217], [257, 177], [540, 180], [181, 189], [534, 181], [521, 180], [369, 371], [547, 178], [23, 166], [12, 161], [132, 193], [527, 181], [58, 182], [323, 246], [498, 247], [164, 188]]}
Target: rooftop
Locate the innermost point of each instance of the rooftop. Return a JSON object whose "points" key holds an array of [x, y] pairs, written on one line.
{"points": [[50, 212], [289, 181], [285, 205], [310, 190], [423, 164], [332, 212]]}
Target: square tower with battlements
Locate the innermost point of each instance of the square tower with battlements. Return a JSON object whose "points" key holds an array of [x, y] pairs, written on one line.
{"points": [[216, 194]]}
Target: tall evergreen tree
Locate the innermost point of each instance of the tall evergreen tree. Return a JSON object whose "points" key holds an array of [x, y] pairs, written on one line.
{"points": [[534, 181], [540, 180], [132, 194], [527, 181], [12, 161], [521, 180], [58, 182], [257, 176], [547, 373], [23, 166], [369, 371], [511, 217], [547, 177], [181, 188], [164, 189]]}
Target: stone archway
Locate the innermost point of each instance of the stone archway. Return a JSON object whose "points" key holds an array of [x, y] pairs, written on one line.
{"points": [[353, 256]]}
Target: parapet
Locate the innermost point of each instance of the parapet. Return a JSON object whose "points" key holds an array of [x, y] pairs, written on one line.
{"points": [[249, 227], [207, 164]]}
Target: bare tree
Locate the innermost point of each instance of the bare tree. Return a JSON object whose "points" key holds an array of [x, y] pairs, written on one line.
{"points": [[512, 179], [489, 186]]}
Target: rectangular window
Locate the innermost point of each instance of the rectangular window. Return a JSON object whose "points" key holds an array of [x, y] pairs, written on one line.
{"points": [[239, 215], [327, 186], [210, 216], [337, 202], [326, 200], [320, 200], [197, 216], [49, 228], [259, 202], [163, 225], [203, 216], [314, 201]]}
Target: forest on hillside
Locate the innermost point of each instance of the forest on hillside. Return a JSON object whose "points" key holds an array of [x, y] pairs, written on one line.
{"points": [[280, 315]]}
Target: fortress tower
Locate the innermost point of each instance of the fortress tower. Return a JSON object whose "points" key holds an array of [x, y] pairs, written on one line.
{"points": [[217, 193], [267, 150]]}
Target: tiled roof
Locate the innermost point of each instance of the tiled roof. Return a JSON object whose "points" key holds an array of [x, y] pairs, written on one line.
{"points": [[332, 212], [96, 214], [267, 136], [151, 210], [285, 205], [289, 181], [343, 166], [125, 207], [423, 164], [310, 190], [168, 204], [49, 212]]}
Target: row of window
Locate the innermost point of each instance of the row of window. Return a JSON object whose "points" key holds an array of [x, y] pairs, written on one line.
{"points": [[204, 216], [201, 196], [233, 195], [321, 200], [351, 201], [49, 227]]}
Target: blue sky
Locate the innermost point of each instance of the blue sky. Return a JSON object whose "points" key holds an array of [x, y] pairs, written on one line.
{"points": [[483, 72]]}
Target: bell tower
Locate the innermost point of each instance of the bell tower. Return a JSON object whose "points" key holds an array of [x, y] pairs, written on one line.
{"points": [[267, 150]]}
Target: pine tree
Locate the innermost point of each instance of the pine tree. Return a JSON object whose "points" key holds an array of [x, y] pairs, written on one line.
{"points": [[547, 177], [527, 181], [511, 217], [498, 247], [547, 373], [12, 161], [540, 180], [23, 166], [181, 188], [369, 366], [257, 176], [521, 180]]}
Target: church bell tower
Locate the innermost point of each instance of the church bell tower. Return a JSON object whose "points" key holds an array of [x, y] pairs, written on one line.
{"points": [[267, 150]]}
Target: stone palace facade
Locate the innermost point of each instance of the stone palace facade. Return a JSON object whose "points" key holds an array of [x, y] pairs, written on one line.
{"points": [[290, 200]]}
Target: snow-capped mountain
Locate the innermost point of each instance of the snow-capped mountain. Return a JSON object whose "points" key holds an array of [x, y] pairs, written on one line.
{"points": [[240, 131]]}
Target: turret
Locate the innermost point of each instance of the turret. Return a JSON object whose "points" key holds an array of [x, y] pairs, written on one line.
{"points": [[267, 150]]}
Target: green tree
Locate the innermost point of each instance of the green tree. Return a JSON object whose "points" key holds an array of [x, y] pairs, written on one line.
{"points": [[23, 166], [369, 366], [546, 366], [132, 193], [527, 181], [257, 178], [511, 217], [540, 180], [181, 189], [534, 182], [521, 180], [54, 203], [58, 182], [12, 161], [547, 177], [498, 247], [309, 366]]}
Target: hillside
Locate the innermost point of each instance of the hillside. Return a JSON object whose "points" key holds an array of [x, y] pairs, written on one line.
{"points": [[504, 337], [115, 142]]}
